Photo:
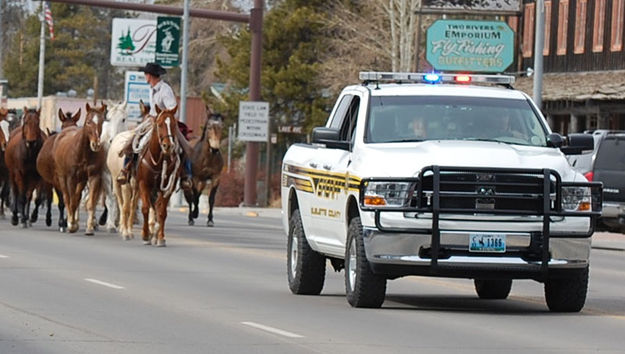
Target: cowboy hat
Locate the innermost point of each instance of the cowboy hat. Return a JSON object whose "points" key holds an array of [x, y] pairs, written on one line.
{"points": [[153, 69]]}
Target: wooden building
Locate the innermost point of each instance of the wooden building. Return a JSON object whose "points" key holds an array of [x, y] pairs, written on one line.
{"points": [[584, 62]]}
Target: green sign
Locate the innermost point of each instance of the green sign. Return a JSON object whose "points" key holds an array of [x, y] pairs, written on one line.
{"points": [[477, 46], [167, 41]]}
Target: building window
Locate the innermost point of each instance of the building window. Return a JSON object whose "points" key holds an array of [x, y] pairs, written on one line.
{"points": [[580, 26], [563, 26], [618, 13], [547, 27], [528, 30], [599, 25]]}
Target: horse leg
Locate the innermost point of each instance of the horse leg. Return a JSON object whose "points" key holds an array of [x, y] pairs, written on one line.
{"points": [[49, 207], [211, 204], [145, 210], [38, 201], [24, 209], [133, 198], [72, 208], [161, 215], [15, 206], [61, 206], [94, 194], [189, 196]]}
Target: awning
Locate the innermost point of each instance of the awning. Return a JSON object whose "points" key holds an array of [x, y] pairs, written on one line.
{"points": [[583, 86]]}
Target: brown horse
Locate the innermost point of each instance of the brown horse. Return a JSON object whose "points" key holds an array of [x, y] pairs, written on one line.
{"points": [[21, 155], [79, 160], [46, 167], [157, 175], [206, 165]]}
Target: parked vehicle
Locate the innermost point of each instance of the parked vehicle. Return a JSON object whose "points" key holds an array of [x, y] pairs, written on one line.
{"points": [[606, 164], [424, 174]]}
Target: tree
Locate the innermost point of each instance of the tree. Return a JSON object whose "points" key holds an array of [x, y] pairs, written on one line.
{"points": [[79, 53], [294, 37]]}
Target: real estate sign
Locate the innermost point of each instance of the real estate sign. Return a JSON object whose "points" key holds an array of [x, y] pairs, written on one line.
{"points": [[133, 42], [476, 46]]}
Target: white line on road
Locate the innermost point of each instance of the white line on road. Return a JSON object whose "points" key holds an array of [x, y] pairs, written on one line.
{"points": [[103, 283], [3, 256], [272, 330]]}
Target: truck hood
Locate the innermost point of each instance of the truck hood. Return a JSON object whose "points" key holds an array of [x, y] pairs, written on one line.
{"points": [[407, 159]]}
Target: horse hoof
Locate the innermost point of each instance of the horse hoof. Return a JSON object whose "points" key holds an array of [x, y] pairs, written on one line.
{"points": [[48, 222], [112, 230], [24, 225], [126, 237], [14, 221], [161, 243], [191, 222], [89, 233], [210, 223], [147, 243], [73, 229], [62, 229]]}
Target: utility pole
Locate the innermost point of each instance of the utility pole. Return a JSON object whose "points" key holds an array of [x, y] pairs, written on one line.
{"points": [[42, 56], [1, 40], [539, 43], [185, 55]]}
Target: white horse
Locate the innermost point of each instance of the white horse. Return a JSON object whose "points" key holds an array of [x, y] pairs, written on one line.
{"points": [[127, 195], [116, 122]]}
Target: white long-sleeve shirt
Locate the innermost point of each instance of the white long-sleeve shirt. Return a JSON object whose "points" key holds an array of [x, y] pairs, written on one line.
{"points": [[163, 96]]}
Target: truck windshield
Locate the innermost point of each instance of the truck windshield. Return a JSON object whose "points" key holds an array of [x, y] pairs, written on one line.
{"points": [[418, 118]]}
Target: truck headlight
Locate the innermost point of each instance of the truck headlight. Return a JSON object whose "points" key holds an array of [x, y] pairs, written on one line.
{"points": [[576, 198], [387, 194]]}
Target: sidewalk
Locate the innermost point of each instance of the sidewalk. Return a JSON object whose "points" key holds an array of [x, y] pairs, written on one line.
{"points": [[608, 241]]}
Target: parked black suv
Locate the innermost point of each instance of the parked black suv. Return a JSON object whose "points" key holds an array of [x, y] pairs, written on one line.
{"points": [[607, 164]]}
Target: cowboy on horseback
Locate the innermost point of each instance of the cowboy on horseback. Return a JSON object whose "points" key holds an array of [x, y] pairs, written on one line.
{"points": [[163, 97]]}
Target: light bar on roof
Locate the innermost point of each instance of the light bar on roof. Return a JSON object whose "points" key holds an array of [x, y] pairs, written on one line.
{"points": [[435, 77]]}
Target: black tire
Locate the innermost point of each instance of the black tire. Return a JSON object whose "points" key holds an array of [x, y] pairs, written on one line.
{"points": [[492, 289], [306, 269], [567, 294], [362, 287]]}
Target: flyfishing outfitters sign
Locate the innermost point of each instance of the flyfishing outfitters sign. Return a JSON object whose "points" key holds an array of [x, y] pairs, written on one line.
{"points": [[133, 42], [476, 46]]}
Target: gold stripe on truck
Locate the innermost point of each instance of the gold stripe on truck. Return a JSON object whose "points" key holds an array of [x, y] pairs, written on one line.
{"points": [[323, 183]]}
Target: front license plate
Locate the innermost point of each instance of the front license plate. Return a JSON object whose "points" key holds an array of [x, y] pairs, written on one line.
{"points": [[487, 242]]}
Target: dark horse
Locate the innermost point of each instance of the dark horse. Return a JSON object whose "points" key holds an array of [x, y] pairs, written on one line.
{"points": [[206, 165], [157, 175], [4, 172], [46, 167], [79, 159], [21, 155]]}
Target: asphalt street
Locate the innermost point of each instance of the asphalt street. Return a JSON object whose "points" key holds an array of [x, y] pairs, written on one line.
{"points": [[224, 290]]}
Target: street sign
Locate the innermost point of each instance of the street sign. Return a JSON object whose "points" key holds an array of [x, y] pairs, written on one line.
{"points": [[463, 45], [133, 42], [136, 89], [253, 121], [291, 129], [167, 41]]}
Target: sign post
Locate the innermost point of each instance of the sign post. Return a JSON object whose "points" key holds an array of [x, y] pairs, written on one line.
{"points": [[167, 41]]}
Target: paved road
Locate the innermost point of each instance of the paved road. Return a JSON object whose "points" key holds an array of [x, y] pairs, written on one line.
{"points": [[223, 290]]}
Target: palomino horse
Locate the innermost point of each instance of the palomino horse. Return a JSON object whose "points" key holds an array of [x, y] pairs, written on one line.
{"points": [[115, 123], [206, 165], [4, 172], [127, 194], [79, 160], [46, 166], [157, 174], [21, 155]]}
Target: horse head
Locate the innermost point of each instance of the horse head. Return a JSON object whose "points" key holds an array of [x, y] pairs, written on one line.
{"points": [[145, 109], [67, 119], [166, 126], [213, 129], [93, 125], [30, 127], [115, 122]]}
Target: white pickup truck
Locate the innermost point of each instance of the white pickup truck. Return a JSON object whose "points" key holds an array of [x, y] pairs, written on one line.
{"points": [[438, 175]]}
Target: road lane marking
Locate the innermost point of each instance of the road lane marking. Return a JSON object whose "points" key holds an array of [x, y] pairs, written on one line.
{"points": [[3, 256], [103, 283], [272, 330]]}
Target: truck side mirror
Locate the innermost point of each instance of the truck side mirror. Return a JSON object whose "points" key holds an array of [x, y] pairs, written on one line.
{"points": [[578, 144], [331, 137], [555, 140]]}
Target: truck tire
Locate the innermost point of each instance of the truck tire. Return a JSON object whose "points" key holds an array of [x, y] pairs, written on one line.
{"points": [[362, 287], [306, 269], [567, 294], [492, 289]]}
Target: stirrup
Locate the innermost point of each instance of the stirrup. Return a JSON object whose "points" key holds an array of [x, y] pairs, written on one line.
{"points": [[122, 178], [185, 183]]}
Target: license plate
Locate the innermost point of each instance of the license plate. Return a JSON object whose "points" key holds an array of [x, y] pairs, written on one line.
{"points": [[487, 242]]}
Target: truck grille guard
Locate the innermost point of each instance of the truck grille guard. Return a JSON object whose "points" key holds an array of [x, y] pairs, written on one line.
{"points": [[488, 191]]}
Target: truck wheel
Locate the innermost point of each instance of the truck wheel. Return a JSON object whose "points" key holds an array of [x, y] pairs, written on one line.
{"points": [[567, 294], [492, 288], [362, 287], [306, 268]]}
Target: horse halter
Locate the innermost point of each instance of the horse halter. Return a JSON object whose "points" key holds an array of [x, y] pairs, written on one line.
{"points": [[168, 121]]}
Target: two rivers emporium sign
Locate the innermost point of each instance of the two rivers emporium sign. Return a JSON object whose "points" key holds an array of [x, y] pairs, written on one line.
{"points": [[477, 46]]}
